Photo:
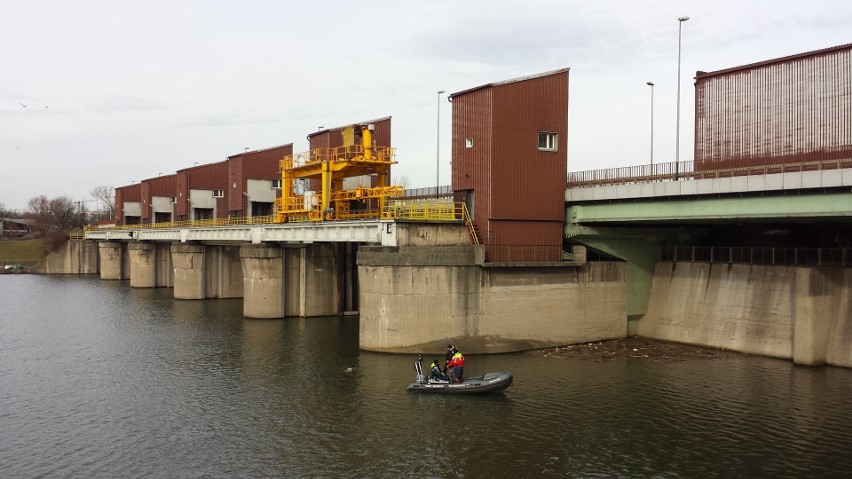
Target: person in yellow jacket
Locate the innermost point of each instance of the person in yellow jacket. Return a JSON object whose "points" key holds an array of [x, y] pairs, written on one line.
{"points": [[457, 366]]}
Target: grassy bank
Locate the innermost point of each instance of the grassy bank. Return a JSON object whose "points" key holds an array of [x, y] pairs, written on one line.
{"points": [[21, 251]]}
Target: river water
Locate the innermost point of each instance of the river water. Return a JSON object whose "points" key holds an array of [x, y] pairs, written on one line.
{"points": [[101, 380]]}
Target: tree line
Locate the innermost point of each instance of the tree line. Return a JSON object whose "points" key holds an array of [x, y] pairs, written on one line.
{"points": [[62, 212]]}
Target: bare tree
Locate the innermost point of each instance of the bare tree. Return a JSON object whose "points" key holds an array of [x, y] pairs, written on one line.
{"points": [[38, 210], [106, 200], [64, 212], [402, 181]]}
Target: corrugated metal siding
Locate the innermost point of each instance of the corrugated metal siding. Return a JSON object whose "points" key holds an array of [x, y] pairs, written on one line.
{"points": [[182, 205], [236, 184], [793, 110], [536, 179], [257, 165], [159, 186], [524, 241], [510, 177], [472, 118], [129, 193]]}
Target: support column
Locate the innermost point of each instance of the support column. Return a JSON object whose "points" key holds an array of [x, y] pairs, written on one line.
{"points": [[814, 310], [165, 269], [263, 281], [321, 295], [143, 264], [109, 253], [188, 261]]}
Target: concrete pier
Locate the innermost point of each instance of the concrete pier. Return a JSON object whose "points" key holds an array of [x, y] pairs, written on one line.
{"points": [[263, 281], [189, 271], [143, 264], [111, 257]]}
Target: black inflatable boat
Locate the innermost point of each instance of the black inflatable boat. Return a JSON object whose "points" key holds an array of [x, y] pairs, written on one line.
{"points": [[487, 383]]}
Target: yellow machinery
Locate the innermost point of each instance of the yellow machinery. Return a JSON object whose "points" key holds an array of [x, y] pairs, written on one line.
{"points": [[331, 166]]}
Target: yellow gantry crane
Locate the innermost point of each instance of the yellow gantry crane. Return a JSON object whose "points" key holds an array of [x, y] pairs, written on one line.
{"points": [[331, 166]]}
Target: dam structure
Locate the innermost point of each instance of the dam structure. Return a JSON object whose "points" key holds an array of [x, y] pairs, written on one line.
{"points": [[745, 247]]}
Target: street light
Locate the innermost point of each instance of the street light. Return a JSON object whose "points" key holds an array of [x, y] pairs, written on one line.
{"points": [[677, 134], [438, 136], [651, 84]]}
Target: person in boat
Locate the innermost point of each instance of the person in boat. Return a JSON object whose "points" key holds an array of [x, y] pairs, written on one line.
{"points": [[447, 357], [456, 364], [435, 371]]}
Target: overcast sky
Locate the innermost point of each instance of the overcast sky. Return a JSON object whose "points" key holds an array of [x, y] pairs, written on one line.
{"points": [[120, 91]]}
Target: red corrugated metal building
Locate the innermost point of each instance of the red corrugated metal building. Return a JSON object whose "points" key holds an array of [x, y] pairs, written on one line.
{"points": [[202, 192], [510, 166], [157, 199], [254, 180], [788, 110], [128, 206]]}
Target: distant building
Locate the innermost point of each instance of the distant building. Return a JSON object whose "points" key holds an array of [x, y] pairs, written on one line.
{"points": [[16, 227], [510, 166], [245, 184]]}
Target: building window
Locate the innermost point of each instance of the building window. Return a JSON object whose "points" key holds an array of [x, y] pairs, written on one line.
{"points": [[218, 194], [276, 184], [172, 199], [546, 141], [468, 143]]}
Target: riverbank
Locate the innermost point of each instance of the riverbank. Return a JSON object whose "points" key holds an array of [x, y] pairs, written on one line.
{"points": [[636, 349]]}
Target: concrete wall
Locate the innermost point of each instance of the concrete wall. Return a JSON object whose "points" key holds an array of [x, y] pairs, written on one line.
{"points": [[73, 257], [436, 234], [418, 299], [789, 312]]}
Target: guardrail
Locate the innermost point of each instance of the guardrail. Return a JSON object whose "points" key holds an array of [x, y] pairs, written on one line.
{"points": [[435, 210], [674, 171], [837, 257]]}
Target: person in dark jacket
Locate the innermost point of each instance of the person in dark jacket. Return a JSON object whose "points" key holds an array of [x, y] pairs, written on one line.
{"points": [[435, 371], [448, 356]]}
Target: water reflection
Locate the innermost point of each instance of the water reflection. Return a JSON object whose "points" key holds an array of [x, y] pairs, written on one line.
{"points": [[101, 380]]}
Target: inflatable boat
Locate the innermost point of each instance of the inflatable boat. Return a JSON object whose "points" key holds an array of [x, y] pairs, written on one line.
{"points": [[487, 383]]}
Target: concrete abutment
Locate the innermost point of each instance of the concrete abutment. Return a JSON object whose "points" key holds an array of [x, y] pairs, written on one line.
{"points": [[417, 299]]}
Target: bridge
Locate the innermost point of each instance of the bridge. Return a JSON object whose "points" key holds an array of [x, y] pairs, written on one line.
{"points": [[781, 215]]}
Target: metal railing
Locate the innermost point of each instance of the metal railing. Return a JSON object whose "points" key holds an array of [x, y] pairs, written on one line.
{"points": [[838, 257], [673, 171], [242, 220]]}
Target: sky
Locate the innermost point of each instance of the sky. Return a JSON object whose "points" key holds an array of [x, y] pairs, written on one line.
{"points": [[120, 91]]}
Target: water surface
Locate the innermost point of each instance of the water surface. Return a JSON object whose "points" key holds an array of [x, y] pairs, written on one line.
{"points": [[101, 380]]}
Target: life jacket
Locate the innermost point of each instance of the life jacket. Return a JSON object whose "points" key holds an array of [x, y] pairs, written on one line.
{"points": [[457, 361]]}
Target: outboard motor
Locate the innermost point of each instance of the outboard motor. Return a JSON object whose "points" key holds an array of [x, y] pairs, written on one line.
{"points": [[418, 369]]}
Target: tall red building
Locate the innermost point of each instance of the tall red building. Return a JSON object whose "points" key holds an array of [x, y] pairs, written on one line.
{"points": [[510, 166]]}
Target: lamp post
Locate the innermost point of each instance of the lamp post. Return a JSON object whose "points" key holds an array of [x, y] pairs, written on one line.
{"points": [[438, 160], [677, 134], [651, 84]]}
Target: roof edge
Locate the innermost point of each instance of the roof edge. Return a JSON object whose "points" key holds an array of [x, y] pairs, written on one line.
{"points": [[337, 128], [701, 75], [511, 80]]}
